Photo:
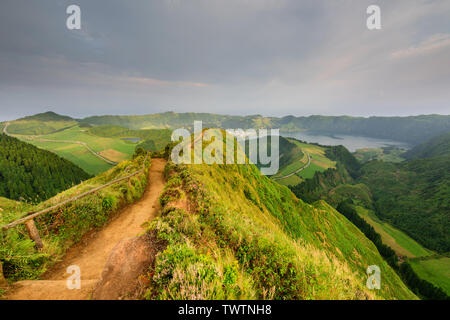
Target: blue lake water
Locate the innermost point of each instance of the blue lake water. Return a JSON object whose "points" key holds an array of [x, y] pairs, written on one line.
{"points": [[131, 139], [352, 143]]}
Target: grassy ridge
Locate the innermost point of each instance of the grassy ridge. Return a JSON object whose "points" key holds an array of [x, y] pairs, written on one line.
{"points": [[232, 233]]}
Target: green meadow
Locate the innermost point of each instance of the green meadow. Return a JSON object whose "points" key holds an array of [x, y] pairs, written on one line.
{"points": [[436, 271], [114, 149], [394, 238], [98, 144], [76, 154], [319, 162]]}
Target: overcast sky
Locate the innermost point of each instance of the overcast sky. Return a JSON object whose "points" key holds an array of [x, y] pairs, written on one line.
{"points": [[269, 57]]}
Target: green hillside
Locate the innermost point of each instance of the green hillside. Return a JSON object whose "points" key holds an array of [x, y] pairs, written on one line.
{"points": [[435, 147], [85, 146], [436, 271], [234, 234], [42, 123], [47, 116], [387, 154], [413, 196], [394, 238], [149, 139], [291, 156], [406, 203], [32, 174]]}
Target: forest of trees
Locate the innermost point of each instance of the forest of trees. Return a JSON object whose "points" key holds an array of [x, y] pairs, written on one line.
{"points": [[435, 147], [414, 195], [342, 156], [32, 174], [422, 288]]}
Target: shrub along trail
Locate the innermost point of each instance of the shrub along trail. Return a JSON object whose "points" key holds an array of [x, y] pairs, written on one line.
{"points": [[92, 255]]}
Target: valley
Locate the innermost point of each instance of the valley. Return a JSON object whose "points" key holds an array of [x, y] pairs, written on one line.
{"points": [[322, 177]]}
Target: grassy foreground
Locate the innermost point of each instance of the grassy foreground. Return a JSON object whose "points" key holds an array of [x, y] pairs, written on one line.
{"points": [[231, 233]]}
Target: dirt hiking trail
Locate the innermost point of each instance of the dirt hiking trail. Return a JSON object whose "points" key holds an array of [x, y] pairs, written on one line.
{"points": [[92, 253]]}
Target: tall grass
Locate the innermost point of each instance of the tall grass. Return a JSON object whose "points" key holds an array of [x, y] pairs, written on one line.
{"points": [[234, 234]]}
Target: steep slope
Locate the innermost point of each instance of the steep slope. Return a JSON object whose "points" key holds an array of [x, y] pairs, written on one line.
{"points": [[413, 196], [435, 147], [232, 233], [29, 173]]}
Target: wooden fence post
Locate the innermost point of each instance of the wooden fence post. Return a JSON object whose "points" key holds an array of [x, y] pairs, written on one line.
{"points": [[3, 282], [34, 233]]}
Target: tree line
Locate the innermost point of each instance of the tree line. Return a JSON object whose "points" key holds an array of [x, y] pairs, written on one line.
{"points": [[420, 287], [32, 174]]}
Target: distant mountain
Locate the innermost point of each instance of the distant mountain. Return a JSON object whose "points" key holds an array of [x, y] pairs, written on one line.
{"points": [[435, 147], [414, 129], [39, 124], [48, 116], [33, 174]]}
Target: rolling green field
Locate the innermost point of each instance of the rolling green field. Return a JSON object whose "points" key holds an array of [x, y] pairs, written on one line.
{"points": [[394, 238], [114, 149], [436, 271], [76, 154], [290, 181], [98, 144], [319, 162], [37, 127]]}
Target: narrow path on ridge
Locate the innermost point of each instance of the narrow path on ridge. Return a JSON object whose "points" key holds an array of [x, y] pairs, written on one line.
{"points": [[92, 255]]}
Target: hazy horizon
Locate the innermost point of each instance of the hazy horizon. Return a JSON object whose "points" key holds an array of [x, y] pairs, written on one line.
{"points": [[268, 57], [224, 114]]}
